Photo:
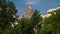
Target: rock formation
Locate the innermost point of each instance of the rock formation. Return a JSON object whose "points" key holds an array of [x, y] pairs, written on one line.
{"points": [[29, 12], [21, 15]]}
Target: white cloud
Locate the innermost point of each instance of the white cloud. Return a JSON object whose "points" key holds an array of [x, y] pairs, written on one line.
{"points": [[32, 2]]}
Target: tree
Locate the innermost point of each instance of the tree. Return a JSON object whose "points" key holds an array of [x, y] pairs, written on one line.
{"points": [[7, 16], [36, 20], [7, 11], [11, 12], [2, 12], [36, 17], [25, 26], [51, 25]]}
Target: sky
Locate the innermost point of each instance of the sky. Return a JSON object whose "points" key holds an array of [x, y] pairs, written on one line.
{"points": [[40, 5]]}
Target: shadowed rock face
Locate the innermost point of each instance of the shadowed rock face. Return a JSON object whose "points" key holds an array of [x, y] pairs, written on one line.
{"points": [[29, 12]]}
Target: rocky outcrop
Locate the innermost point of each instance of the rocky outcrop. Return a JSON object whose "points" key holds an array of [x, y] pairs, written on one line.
{"points": [[21, 15], [29, 11]]}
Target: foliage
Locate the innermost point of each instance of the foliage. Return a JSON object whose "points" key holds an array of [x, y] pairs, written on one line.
{"points": [[8, 10], [36, 18], [26, 26], [51, 25]]}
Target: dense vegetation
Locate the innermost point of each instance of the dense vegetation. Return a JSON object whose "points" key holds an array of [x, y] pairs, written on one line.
{"points": [[7, 13], [51, 25]]}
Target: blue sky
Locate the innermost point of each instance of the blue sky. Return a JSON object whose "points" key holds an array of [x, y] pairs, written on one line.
{"points": [[40, 5]]}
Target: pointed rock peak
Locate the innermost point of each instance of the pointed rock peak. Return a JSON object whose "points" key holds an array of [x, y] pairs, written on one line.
{"points": [[20, 11], [21, 15], [29, 6]]}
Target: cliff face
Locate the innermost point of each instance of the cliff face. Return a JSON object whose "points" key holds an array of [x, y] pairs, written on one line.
{"points": [[29, 12]]}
